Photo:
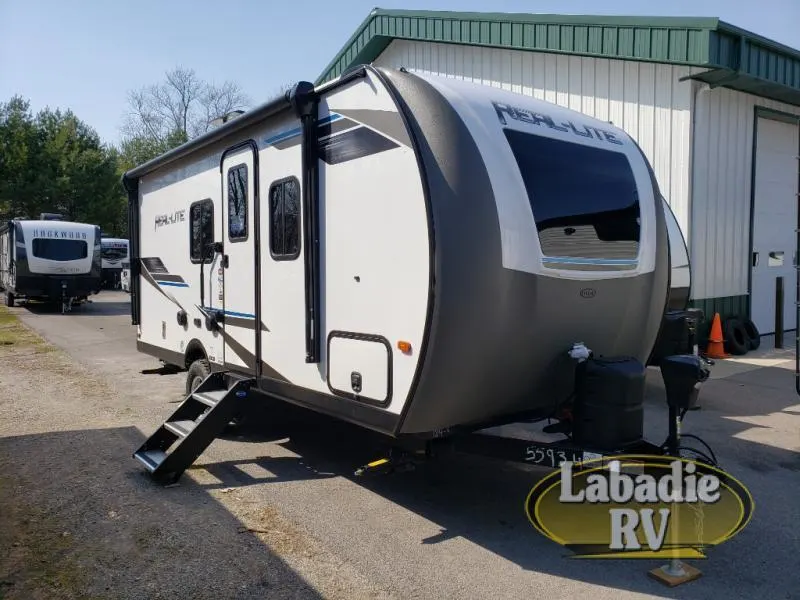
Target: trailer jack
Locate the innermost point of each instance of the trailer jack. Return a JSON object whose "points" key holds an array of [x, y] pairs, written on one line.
{"points": [[66, 301]]}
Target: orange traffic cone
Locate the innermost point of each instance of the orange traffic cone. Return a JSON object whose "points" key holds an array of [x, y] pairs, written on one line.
{"points": [[716, 347]]}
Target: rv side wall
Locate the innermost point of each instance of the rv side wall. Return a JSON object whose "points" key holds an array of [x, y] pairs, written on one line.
{"points": [[374, 256], [169, 280]]}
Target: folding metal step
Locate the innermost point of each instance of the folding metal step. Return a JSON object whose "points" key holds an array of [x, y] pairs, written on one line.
{"points": [[210, 398], [192, 427]]}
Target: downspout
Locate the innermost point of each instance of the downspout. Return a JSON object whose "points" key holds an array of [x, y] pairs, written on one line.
{"points": [[698, 90]]}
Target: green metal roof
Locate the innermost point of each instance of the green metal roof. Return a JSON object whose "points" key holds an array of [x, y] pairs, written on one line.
{"points": [[735, 58]]}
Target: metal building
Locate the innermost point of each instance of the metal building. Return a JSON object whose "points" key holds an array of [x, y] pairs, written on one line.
{"points": [[715, 108]]}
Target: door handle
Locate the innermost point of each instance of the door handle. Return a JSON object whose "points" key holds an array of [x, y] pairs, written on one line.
{"points": [[224, 261], [755, 259]]}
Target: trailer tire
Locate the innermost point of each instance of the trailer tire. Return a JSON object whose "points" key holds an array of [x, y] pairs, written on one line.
{"points": [[198, 371], [753, 335], [736, 340], [9, 300]]}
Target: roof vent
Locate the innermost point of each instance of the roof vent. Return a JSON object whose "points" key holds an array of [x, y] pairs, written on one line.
{"points": [[51, 217]]}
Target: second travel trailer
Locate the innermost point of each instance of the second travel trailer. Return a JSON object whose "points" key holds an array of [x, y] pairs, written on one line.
{"points": [[413, 254], [49, 259], [114, 251]]}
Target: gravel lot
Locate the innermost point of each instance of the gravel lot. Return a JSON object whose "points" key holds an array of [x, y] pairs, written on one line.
{"points": [[273, 512]]}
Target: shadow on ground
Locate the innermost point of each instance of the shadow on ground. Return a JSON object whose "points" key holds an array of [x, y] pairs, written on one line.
{"points": [[85, 309], [78, 519], [482, 500]]}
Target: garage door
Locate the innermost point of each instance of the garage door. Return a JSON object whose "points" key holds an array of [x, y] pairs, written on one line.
{"points": [[774, 222]]}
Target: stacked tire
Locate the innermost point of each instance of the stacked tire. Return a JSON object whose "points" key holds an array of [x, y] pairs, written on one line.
{"points": [[741, 336]]}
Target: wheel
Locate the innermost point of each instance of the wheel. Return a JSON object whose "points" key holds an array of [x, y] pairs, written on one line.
{"points": [[753, 335], [198, 371], [735, 336], [9, 300]]}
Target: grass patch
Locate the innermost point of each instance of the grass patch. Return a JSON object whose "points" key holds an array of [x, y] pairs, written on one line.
{"points": [[14, 334]]}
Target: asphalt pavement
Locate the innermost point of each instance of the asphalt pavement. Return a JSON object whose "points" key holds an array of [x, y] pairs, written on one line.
{"points": [[457, 528]]}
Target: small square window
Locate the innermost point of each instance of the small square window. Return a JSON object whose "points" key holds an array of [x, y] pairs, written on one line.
{"points": [[284, 214], [237, 203], [201, 230]]}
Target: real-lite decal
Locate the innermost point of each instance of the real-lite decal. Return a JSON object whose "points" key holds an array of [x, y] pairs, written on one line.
{"points": [[179, 216], [524, 115]]}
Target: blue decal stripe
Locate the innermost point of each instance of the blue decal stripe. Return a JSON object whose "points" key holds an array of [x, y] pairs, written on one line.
{"points": [[285, 135], [232, 313], [172, 283]]}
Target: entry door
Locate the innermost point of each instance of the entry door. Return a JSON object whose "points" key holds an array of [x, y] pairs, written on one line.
{"points": [[239, 198], [774, 222]]}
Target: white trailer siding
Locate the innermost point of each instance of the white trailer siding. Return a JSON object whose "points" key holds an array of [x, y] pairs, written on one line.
{"points": [[646, 100], [722, 183]]}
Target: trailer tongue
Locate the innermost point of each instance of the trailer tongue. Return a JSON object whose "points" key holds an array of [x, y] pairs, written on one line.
{"points": [[583, 432]]}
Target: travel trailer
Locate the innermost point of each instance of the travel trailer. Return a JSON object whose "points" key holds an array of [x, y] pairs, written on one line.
{"points": [[113, 252], [413, 254], [49, 259]]}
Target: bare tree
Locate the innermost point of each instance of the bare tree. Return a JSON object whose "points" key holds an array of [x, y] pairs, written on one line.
{"points": [[182, 106], [218, 102]]}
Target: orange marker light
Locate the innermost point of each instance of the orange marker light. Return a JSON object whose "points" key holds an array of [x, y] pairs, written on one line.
{"points": [[404, 347]]}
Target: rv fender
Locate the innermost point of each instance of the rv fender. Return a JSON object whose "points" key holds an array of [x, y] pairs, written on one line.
{"points": [[194, 351]]}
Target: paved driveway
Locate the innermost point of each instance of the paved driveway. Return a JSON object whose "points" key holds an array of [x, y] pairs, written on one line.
{"points": [[456, 529]]}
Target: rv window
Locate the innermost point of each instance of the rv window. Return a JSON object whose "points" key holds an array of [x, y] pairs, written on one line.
{"points": [[114, 252], [284, 214], [584, 199], [201, 223], [59, 249], [237, 203]]}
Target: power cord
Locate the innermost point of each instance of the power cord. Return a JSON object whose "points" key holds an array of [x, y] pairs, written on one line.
{"points": [[711, 452]]}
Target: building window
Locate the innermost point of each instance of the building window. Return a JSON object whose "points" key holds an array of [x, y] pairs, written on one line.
{"points": [[284, 214], [237, 203], [201, 223]]}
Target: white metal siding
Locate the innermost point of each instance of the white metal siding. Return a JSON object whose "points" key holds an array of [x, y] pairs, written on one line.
{"points": [[648, 101], [720, 232]]}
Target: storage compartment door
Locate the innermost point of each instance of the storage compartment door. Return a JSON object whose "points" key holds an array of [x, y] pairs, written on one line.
{"points": [[360, 367]]}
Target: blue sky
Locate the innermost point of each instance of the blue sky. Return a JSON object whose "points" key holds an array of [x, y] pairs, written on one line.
{"points": [[86, 55]]}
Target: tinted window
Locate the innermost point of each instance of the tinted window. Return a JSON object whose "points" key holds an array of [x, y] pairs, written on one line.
{"points": [[113, 253], [584, 199], [284, 202], [201, 223], [53, 249], [237, 203]]}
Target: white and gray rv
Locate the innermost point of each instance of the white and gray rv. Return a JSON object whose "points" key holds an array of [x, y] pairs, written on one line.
{"points": [[114, 251], [49, 259], [409, 253]]}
